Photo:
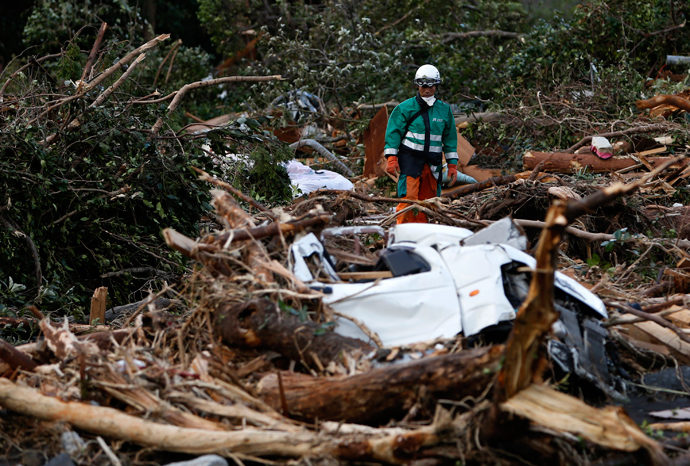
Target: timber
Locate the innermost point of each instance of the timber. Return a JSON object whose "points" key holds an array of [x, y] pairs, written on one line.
{"points": [[563, 162], [386, 391], [14, 358], [260, 324]]}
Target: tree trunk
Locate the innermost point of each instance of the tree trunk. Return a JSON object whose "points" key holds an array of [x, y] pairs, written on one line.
{"points": [[562, 162], [385, 392], [260, 324]]}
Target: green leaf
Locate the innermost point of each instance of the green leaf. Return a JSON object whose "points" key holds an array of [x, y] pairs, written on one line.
{"points": [[595, 260]]}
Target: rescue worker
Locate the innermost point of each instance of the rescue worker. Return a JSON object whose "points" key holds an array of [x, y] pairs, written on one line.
{"points": [[419, 131]]}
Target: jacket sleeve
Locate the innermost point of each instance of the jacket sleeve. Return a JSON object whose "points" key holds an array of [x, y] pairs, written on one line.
{"points": [[450, 139], [394, 135]]}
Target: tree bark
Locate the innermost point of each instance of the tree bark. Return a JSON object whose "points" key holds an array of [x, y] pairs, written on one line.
{"points": [[675, 100], [15, 358], [562, 162], [112, 423], [385, 392], [229, 209], [260, 324]]}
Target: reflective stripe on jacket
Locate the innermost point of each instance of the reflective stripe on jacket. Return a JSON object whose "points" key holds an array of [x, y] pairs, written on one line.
{"points": [[410, 147]]}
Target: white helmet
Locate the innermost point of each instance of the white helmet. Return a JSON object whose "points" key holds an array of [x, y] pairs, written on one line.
{"points": [[427, 76]]}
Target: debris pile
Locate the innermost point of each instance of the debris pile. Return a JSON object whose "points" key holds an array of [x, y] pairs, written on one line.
{"points": [[251, 369]]}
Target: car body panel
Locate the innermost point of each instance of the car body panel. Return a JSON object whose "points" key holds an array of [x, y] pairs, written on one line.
{"points": [[462, 292]]}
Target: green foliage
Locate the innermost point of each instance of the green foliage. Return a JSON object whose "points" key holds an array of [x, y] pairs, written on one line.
{"points": [[55, 22], [596, 261], [610, 35], [93, 201], [619, 236]]}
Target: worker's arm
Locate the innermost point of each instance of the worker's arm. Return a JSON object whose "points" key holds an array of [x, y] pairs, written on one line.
{"points": [[394, 132]]}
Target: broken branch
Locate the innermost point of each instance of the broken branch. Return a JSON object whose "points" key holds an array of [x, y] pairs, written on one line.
{"points": [[92, 55], [179, 95]]}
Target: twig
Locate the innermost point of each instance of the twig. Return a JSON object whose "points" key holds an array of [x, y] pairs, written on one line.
{"points": [[172, 60], [474, 187], [313, 143], [101, 98], [632, 266], [160, 67], [20, 70], [109, 453], [103, 76], [134, 270], [144, 304], [404, 17], [227, 186], [93, 55], [570, 230], [535, 172], [362, 326], [75, 123], [126, 59], [211, 82], [652, 317], [389, 104]]}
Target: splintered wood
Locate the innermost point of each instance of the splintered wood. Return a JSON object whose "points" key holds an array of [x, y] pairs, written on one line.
{"points": [[253, 371]]}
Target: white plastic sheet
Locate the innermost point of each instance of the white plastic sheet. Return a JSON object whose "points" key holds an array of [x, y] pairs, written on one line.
{"points": [[308, 180]]}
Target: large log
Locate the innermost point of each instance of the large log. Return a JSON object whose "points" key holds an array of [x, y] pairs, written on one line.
{"points": [[260, 324], [112, 423], [562, 162], [675, 100], [391, 448], [384, 392]]}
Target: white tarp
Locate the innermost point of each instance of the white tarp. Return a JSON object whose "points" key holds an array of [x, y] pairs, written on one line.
{"points": [[307, 180]]}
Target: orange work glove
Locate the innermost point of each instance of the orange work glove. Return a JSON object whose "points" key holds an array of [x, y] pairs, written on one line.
{"points": [[393, 168], [452, 173]]}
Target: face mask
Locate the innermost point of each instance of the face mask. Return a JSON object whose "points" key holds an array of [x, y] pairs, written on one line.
{"points": [[429, 100]]}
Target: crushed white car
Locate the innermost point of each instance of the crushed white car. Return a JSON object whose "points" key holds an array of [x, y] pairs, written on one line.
{"points": [[448, 280]]}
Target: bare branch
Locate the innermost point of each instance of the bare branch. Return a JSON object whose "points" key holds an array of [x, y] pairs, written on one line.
{"points": [[211, 82], [174, 47], [126, 59], [93, 55]]}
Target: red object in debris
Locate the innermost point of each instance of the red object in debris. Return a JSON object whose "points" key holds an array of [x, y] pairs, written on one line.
{"points": [[601, 154], [601, 147]]}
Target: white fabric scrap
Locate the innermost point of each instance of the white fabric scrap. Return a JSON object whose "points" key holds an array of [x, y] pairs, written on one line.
{"points": [[308, 180]]}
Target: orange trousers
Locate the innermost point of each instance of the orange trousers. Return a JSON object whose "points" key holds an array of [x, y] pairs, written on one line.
{"points": [[417, 189]]}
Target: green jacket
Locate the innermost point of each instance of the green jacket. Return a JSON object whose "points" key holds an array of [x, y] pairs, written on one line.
{"points": [[429, 134]]}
